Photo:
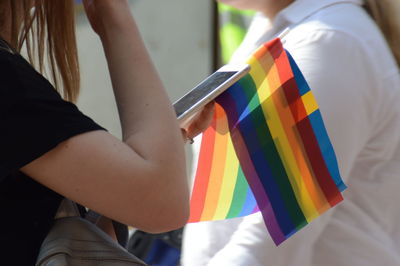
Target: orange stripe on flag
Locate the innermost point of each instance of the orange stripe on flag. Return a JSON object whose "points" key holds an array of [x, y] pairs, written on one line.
{"points": [[202, 174], [217, 172]]}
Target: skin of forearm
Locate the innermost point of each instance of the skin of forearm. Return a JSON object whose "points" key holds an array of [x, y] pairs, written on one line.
{"points": [[143, 104], [148, 121]]}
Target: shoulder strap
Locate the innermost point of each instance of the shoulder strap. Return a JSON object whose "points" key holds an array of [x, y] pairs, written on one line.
{"points": [[121, 230], [68, 208]]}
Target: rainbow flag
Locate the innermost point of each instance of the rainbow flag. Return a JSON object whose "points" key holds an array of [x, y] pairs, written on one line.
{"points": [[267, 150]]}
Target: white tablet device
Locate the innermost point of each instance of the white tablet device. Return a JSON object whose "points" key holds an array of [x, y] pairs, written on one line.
{"points": [[187, 106]]}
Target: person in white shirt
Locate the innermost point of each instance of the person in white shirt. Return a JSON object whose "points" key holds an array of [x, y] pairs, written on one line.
{"points": [[354, 75]]}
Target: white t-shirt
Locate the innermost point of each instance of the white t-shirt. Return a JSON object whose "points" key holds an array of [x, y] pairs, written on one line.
{"points": [[356, 82]]}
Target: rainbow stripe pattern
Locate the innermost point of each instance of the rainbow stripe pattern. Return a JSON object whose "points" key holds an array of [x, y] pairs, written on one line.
{"points": [[267, 150]]}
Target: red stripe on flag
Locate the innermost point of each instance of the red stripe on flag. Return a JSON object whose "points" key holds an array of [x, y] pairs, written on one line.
{"points": [[324, 178], [303, 124], [277, 52], [202, 173], [288, 82], [294, 100]]}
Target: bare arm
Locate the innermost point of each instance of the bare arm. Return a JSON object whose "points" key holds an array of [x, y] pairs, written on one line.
{"points": [[142, 180]]}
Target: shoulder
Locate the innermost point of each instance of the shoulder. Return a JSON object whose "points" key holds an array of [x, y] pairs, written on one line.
{"points": [[18, 78], [7, 61], [345, 17], [345, 26], [344, 32], [10, 76]]}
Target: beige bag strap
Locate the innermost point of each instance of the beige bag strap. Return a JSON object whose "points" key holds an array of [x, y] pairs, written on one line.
{"points": [[69, 208]]}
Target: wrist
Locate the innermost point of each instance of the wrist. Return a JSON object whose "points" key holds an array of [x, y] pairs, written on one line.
{"points": [[114, 17]]}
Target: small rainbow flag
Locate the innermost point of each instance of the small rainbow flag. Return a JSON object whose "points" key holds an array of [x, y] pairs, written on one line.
{"points": [[267, 150]]}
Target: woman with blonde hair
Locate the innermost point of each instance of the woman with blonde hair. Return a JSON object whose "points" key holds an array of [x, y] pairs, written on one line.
{"points": [[348, 51], [50, 150]]}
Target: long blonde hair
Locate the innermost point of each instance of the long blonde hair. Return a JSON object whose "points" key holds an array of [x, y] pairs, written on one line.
{"points": [[48, 32], [386, 14]]}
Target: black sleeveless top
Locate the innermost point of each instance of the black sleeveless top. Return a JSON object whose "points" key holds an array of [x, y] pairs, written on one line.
{"points": [[33, 119]]}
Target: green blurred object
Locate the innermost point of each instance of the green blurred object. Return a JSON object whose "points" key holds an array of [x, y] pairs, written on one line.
{"points": [[233, 26]]}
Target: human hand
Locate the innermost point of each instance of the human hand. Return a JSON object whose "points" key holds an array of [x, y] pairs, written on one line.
{"points": [[200, 122]]}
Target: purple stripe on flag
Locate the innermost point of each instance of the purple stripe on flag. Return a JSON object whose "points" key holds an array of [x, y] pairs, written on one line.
{"points": [[251, 174]]}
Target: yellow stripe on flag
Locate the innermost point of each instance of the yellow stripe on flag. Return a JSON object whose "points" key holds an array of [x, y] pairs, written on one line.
{"points": [[228, 183], [309, 102], [269, 86]]}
